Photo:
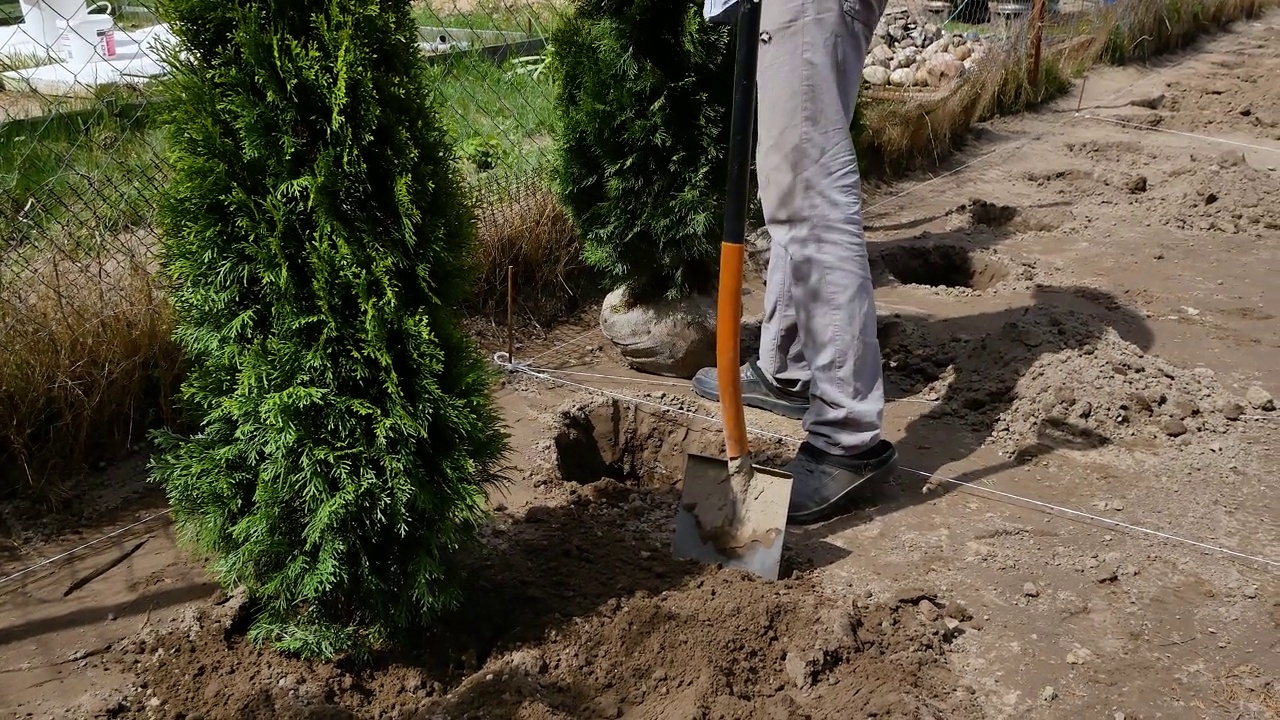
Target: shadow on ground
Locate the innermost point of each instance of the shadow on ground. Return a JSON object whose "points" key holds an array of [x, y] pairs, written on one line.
{"points": [[987, 354]]}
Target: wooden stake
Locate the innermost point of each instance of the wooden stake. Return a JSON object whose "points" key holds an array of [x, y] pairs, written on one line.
{"points": [[511, 289], [1037, 32], [1080, 102]]}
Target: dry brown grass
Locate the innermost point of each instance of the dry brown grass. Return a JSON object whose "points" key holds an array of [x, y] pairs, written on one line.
{"points": [[529, 230], [1142, 29], [899, 131], [88, 364]]}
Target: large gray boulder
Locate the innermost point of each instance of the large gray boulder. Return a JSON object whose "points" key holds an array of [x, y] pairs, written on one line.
{"points": [[673, 338]]}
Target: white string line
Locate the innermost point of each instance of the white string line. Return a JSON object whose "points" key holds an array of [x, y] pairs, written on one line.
{"points": [[91, 543], [618, 378], [562, 345], [948, 173], [765, 433], [668, 383], [1194, 136]]}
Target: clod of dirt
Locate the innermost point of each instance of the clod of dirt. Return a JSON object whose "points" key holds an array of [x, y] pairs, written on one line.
{"points": [[945, 266], [984, 212], [1260, 399], [1150, 102], [1136, 184]]}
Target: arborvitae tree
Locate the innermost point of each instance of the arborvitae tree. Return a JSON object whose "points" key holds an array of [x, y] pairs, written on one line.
{"points": [[317, 240], [643, 92]]}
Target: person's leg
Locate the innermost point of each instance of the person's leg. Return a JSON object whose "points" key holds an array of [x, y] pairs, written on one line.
{"points": [[811, 59], [781, 351]]}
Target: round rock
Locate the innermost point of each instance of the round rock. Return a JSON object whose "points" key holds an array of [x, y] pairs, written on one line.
{"points": [[673, 338], [902, 77], [875, 75]]}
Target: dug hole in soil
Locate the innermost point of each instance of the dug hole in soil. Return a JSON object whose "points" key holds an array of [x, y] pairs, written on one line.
{"points": [[579, 611]]}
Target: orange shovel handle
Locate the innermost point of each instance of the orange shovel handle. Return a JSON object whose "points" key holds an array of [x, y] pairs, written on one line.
{"points": [[729, 305], [728, 344]]}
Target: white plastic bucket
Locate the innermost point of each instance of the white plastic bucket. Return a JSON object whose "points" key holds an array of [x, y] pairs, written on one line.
{"points": [[40, 20], [89, 37]]}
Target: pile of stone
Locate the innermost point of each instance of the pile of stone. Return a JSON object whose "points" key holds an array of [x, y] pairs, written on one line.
{"points": [[907, 52]]}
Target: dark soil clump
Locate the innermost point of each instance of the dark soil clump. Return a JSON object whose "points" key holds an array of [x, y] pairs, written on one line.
{"points": [[582, 613]]}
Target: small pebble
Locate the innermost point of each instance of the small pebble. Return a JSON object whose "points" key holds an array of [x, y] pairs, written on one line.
{"points": [[1048, 694], [1260, 399], [1173, 427], [1250, 592], [1030, 590], [1079, 656]]}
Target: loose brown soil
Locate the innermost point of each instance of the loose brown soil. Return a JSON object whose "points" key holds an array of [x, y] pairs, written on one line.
{"points": [[1080, 340]]}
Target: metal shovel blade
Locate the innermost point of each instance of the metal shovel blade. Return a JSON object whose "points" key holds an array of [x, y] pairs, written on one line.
{"points": [[732, 514]]}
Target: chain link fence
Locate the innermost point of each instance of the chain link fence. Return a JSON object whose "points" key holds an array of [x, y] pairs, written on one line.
{"points": [[86, 363]]}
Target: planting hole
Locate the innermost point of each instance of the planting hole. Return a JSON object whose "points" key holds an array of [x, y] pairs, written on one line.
{"points": [[602, 438], [948, 266]]}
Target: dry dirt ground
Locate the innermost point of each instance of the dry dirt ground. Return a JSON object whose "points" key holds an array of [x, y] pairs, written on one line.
{"points": [[1096, 335]]}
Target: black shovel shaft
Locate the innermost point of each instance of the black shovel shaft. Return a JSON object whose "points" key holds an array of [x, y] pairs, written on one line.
{"points": [[742, 124]]}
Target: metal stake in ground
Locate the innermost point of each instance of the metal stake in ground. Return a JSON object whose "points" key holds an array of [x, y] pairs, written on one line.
{"points": [[511, 341], [1037, 32]]}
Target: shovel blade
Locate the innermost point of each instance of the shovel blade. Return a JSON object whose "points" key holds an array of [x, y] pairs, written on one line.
{"points": [[732, 514]]}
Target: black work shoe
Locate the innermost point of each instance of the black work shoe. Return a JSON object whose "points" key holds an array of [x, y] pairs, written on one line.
{"points": [[757, 392], [823, 485]]}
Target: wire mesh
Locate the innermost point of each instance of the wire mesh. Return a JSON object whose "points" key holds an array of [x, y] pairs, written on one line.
{"points": [[83, 326]]}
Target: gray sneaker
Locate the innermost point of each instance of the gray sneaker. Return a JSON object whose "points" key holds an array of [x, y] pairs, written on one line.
{"points": [[823, 485], [758, 391]]}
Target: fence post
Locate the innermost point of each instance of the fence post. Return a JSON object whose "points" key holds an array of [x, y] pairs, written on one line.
{"points": [[1037, 31]]}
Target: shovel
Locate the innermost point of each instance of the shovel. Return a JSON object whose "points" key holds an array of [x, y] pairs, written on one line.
{"points": [[733, 513]]}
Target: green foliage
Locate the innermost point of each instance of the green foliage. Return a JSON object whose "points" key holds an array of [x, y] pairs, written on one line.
{"points": [[318, 246], [642, 92], [483, 152]]}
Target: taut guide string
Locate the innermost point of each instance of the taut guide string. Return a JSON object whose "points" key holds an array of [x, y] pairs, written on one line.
{"points": [[500, 360]]}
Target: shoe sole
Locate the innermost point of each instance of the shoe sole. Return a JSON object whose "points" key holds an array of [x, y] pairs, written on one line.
{"points": [[836, 507], [777, 407]]}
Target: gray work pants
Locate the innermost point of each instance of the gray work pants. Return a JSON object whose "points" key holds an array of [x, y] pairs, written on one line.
{"points": [[819, 320]]}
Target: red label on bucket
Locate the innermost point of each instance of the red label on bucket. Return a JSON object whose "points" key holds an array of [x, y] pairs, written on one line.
{"points": [[108, 43]]}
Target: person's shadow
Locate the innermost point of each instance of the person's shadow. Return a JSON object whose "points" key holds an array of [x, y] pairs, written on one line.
{"points": [[985, 356]]}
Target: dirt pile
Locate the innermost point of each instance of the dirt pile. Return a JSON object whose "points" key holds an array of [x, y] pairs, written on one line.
{"points": [[580, 612], [1112, 390], [1219, 192], [1049, 375], [1200, 191]]}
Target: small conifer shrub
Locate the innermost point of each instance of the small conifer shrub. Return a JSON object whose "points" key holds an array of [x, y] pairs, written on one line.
{"points": [[318, 242], [643, 89]]}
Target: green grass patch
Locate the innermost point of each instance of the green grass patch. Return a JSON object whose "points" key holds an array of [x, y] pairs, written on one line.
{"points": [[501, 113], [79, 178]]}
